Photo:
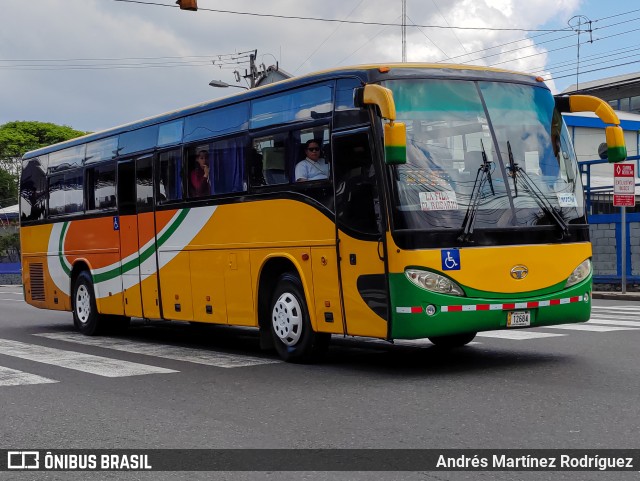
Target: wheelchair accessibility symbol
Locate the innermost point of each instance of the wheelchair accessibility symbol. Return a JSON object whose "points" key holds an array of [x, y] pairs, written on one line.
{"points": [[450, 260]]}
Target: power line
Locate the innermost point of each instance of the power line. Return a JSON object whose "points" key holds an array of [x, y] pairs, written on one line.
{"points": [[337, 20], [596, 70], [328, 37]]}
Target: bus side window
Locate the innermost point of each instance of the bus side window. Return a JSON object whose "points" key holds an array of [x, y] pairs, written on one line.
{"points": [[357, 203], [170, 178], [101, 187], [276, 163]]}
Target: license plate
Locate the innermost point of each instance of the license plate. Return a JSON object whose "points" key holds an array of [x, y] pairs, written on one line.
{"points": [[518, 319]]}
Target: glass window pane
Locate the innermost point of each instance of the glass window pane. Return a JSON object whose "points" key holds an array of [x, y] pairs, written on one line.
{"points": [[66, 193], [312, 164], [105, 149], [67, 158], [170, 186], [228, 166], [215, 123], [272, 164], [138, 140], [33, 188], [347, 114], [199, 170], [101, 182], [144, 182], [314, 102], [170, 133]]}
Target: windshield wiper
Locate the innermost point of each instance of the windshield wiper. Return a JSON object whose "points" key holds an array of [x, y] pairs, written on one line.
{"points": [[516, 172], [482, 176]]}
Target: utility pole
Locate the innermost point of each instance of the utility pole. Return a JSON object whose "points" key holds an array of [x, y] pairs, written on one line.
{"points": [[404, 31], [576, 24], [254, 73]]}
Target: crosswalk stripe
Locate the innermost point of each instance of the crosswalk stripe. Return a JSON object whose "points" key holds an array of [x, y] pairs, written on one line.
{"points": [[615, 308], [626, 314], [12, 377], [615, 322], [592, 328], [101, 366], [176, 353], [519, 335]]}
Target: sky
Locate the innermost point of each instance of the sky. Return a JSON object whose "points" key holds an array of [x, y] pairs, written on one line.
{"points": [[96, 64]]}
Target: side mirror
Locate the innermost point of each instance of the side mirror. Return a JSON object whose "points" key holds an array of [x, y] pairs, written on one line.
{"points": [[395, 133], [395, 143], [616, 149], [602, 151]]}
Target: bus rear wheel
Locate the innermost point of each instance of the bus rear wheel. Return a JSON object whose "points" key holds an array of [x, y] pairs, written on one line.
{"points": [[85, 313], [293, 337], [454, 340]]}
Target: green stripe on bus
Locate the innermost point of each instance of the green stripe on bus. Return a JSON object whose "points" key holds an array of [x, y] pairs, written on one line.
{"points": [[148, 252], [66, 269]]}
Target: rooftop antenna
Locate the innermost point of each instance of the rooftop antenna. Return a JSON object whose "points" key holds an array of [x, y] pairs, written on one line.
{"points": [[576, 23]]}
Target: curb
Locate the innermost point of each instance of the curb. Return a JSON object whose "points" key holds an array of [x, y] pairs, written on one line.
{"points": [[617, 296]]}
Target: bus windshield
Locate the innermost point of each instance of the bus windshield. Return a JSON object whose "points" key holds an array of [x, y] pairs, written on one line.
{"points": [[483, 156]]}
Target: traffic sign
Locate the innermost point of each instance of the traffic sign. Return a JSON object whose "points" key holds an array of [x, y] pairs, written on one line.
{"points": [[624, 185]]}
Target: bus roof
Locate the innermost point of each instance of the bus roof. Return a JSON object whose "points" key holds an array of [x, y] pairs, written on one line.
{"points": [[370, 73]]}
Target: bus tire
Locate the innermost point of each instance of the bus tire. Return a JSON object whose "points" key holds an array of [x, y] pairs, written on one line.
{"points": [[85, 313], [293, 337], [454, 340]]}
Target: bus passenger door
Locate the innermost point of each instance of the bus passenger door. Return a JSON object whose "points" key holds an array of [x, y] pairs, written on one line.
{"points": [[363, 279], [128, 228], [147, 238]]}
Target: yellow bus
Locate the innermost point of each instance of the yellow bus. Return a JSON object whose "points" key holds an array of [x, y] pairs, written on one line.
{"points": [[438, 201]]}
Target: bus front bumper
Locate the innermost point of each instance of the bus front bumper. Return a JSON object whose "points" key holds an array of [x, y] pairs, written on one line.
{"points": [[418, 314]]}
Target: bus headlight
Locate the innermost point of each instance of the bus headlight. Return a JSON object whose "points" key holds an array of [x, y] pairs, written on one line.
{"points": [[580, 273], [433, 282]]}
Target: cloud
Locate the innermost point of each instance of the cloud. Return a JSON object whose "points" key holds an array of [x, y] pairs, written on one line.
{"points": [[137, 53]]}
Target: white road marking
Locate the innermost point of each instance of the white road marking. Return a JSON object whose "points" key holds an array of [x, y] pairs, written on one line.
{"points": [[616, 308], [176, 353], [592, 328], [100, 366], [13, 300], [519, 335], [615, 322], [12, 377]]}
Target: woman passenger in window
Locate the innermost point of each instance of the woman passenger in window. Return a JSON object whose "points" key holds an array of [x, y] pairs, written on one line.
{"points": [[199, 176], [313, 167]]}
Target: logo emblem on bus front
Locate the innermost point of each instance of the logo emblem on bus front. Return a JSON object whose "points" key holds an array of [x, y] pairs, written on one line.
{"points": [[519, 272]]}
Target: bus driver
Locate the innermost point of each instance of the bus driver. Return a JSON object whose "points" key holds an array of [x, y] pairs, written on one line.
{"points": [[313, 167]]}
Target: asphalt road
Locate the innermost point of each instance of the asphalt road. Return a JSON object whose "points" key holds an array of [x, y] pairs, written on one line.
{"points": [[170, 385]]}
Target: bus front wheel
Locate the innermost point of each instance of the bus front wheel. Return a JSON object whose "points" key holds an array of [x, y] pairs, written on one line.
{"points": [[85, 313], [293, 336], [454, 340]]}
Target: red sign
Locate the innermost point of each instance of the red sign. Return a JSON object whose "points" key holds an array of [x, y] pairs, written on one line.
{"points": [[624, 185]]}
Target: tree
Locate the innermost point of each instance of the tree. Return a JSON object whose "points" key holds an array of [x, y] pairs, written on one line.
{"points": [[17, 138]]}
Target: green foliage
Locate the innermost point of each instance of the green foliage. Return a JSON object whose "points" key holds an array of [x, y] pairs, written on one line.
{"points": [[8, 188], [10, 246], [17, 138]]}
